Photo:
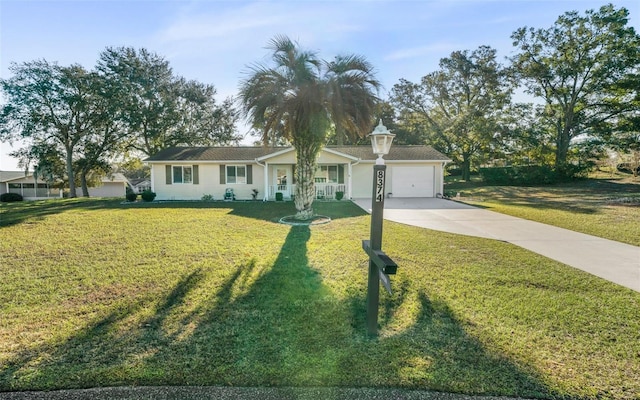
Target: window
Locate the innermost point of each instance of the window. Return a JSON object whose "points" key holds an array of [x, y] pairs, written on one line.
{"points": [[182, 174], [236, 174], [327, 174]]}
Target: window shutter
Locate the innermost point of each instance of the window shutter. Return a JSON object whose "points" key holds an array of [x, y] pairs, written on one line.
{"points": [[249, 174], [340, 173], [196, 176], [167, 169], [223, 175], [293, 169]]}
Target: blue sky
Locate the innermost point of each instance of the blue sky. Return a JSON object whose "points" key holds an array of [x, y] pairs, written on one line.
{"points": [[214, 41]]}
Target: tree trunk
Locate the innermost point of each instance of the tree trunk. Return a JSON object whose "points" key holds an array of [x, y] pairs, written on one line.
{"points": [[70, 175], [562, 148], [305, 185], [83, 182], [466, 168], [339, 136]]}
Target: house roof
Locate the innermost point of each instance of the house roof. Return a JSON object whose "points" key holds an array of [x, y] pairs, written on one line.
{"points": [[138, 181], [212, 153], [6, 176], [115, 177], [397, 153]]}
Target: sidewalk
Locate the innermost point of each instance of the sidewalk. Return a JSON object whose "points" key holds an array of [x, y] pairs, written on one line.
{"points": [[608, 259]]}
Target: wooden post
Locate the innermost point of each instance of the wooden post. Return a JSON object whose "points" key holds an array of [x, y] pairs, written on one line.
{"points": [[377, 208]]}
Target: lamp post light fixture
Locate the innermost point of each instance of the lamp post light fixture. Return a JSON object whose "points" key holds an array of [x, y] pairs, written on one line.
{"points": [[380, 265], [381, 140]]}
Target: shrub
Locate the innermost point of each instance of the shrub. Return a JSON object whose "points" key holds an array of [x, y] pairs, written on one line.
{"points": [[627, 168], [339, 195], [10, 197], [519, 175], [454, 171], [132, 196], [279, 196], [148, 195], [207, 197]]}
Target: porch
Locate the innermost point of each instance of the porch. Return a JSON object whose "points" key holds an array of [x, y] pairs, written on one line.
{"points": [[324, 191], [32, 191]]}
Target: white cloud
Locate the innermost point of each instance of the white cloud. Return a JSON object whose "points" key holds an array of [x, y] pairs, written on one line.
{"points": [[225, 25], [421, 51]]}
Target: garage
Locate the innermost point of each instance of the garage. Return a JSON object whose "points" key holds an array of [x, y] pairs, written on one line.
{"points": [[413, 181]]}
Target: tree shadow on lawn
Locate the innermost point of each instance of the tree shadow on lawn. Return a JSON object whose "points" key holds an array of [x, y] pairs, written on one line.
{"points": [[586, 197], [267, 211], [277, 325], [24, 211]]}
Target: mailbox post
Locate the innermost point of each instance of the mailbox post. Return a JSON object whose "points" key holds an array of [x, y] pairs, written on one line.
{"points": [[380, 265]]}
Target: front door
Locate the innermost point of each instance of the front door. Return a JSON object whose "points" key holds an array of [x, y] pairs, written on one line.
{"points": [[283, 179]]}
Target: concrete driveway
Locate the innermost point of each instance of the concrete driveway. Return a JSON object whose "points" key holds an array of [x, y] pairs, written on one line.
{"points": [[614, 261]]}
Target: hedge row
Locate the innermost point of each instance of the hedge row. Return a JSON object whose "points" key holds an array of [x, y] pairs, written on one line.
{"points": [[519, 175]]}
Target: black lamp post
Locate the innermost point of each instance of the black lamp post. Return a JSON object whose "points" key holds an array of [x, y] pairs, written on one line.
{"points": [[379, 264]]}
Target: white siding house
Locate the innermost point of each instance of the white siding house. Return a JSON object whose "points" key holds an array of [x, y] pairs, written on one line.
{"points": [[189, 173]]}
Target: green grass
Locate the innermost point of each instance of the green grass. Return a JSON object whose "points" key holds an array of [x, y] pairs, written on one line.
{"points": [[95, 293], [602, 207]]}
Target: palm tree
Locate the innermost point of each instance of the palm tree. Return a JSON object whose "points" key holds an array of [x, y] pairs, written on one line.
{"points": [[301, 98]]}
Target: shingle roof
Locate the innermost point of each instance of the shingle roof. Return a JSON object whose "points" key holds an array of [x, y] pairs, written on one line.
{"points": [[397, 153], [212, 153], [11, 175]]}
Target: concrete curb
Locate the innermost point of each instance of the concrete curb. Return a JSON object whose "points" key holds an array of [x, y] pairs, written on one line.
{"points": [[238, 393]]}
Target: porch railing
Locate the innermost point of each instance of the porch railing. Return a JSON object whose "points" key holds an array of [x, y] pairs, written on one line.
{"points": [[323, 190]]}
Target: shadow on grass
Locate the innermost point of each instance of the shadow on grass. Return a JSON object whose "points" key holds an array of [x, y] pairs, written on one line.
{"points": [[585, 197], [24, 211], [274, 325], [267, 211], [16, 213]]}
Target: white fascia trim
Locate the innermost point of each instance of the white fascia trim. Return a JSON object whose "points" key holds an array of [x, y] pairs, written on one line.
{"points": [[277, 153], [338, 153]]}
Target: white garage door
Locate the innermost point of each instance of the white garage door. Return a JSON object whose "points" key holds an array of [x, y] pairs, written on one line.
{"points": [[412, 181]]}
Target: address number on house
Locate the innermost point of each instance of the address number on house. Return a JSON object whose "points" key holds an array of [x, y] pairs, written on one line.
{"points": [[379, 186]]}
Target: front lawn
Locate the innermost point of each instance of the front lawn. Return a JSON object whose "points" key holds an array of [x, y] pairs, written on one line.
{"points": [[96, 293]]}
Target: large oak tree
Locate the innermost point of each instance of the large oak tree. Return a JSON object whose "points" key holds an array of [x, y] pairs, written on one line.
{"points": [[575, 67], [49, 106], [457, 106], [162, 110]]}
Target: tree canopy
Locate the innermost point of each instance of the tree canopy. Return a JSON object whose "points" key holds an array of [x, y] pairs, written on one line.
{"points": [[576, 66], [51, 106], [131, 102], [162, 110], [458, 105]]}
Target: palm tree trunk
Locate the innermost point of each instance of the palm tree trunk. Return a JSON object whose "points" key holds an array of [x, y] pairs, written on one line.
{"points": [[305, 185]]}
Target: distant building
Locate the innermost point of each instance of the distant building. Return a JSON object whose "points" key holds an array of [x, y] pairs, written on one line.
{"points": [[29, 188]]}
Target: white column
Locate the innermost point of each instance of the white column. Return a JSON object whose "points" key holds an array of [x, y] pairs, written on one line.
{"points": [[349, 181], [266, 181], [153, 167]]}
